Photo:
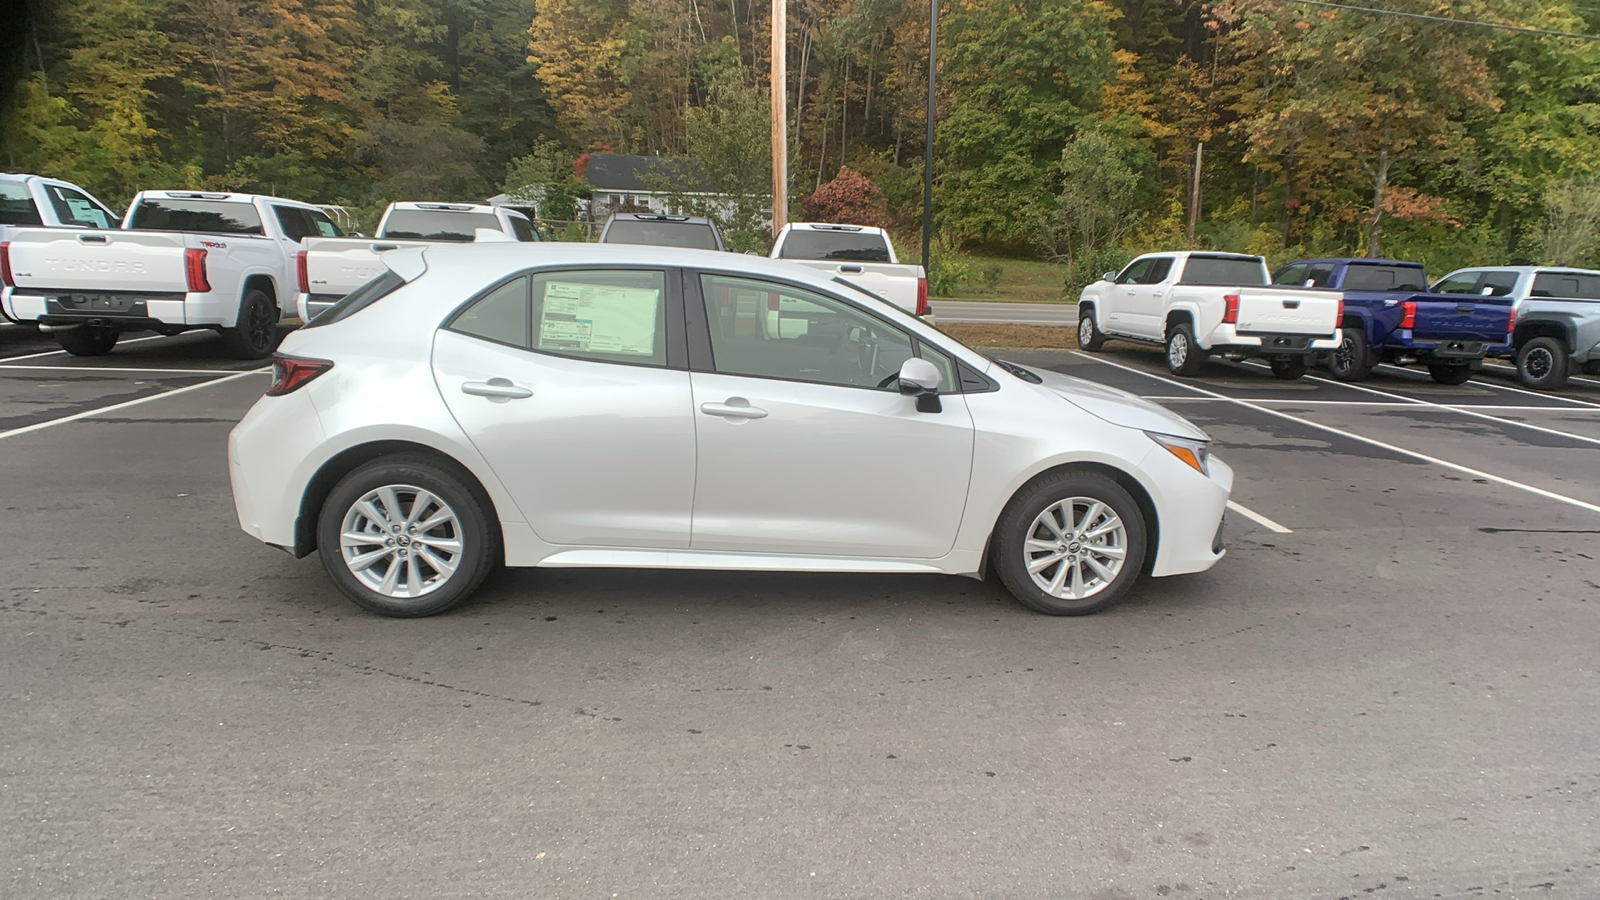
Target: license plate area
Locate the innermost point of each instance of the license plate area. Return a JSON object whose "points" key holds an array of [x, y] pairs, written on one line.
{"points": [[96, 305]]}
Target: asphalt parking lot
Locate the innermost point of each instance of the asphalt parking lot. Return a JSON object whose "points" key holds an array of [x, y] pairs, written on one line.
{"points": [[1388, 687]]}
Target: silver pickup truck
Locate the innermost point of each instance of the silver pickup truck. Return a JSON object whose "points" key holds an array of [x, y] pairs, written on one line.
{"points": [[1557, 317]]}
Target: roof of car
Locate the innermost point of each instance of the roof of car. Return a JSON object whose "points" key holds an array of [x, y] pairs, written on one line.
{"points": [[1355, 261], [510, 257], [443, 205], [833, 226], [660, 217], [225, 196], [1526, 269]]}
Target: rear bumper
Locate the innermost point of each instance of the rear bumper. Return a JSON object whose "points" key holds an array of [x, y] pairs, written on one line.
{"points": [[1442, 348], [125, 309], [1227, 338]]}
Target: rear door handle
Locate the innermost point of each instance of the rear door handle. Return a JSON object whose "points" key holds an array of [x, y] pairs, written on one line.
{"points": [[1464, 309], [379, 248], [92, 239], [735, 408], [496, 389]]}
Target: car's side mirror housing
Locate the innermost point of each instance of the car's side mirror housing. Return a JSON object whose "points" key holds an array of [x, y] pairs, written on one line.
{"points": [[920, 378], [1109, 276]]}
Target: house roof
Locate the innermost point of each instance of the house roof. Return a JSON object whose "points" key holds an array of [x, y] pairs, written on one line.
{"points": [[624, 172]]}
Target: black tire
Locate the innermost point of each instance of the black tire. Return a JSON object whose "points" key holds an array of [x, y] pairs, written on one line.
{"points": [[1352, 360], [1543, 364], [1451, 373], [478, 535], [1018, 520], [1289, 368], [1592, 367], [1090, 337], [256, 333], [88, 340], [1184, 356]]}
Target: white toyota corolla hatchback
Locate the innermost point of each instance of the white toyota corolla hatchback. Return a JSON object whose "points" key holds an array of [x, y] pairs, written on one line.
{"points": [[583, 405]]}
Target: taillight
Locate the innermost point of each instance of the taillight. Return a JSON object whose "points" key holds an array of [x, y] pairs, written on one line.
{"points": [[300, 272], [1511, 320], [5, 265], [1339, 318], [1230, 309], [291, 373], [194, 269], [922, 296], [1408, 313]]}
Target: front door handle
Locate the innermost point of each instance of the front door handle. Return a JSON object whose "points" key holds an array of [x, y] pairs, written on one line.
{"points": [[850, 270], [735, 408], [496, 389]]}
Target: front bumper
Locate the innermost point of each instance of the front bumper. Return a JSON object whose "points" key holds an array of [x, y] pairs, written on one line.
{"points": [[1189, 511]]}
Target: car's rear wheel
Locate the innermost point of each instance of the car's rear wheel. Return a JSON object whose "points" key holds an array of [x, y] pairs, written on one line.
{"points": [[1184, 357], [88, 340], [1543, 364], [1451, 373], [1289, 368], [1070, 544], [404, 536], [255, 334], [1352, 359], [1090, 337]]}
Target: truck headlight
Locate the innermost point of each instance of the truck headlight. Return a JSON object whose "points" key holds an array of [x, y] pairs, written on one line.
{"points": [[1194, 454]]}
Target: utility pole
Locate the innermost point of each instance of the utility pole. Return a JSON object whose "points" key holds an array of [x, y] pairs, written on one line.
{"points": [[927, 156], [780, 117], [1194, 190]]}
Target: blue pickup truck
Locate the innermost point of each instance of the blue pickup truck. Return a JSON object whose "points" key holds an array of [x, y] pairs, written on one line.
{"points": [[1389, 316]]}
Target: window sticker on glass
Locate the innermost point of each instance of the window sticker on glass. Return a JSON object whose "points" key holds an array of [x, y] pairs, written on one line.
{"points": [[598, 318]]}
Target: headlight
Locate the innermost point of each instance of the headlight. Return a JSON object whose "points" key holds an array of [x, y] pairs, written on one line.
{"points": [[1194, 454]]}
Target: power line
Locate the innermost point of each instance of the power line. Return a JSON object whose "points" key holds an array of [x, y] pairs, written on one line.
{"points": [[1520, 29]]}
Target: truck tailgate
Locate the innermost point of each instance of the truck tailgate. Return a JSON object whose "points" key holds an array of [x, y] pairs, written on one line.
{"points": [[58, 259], [893, 282], [1278, 310], [337, 266], [1461, 318]]}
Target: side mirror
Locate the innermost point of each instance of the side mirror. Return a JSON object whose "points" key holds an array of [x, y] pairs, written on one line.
{"points": [[1109, 276], [920, 378]]}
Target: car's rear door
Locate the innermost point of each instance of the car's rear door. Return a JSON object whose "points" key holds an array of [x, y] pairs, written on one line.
{"points": [[805, 444], [572, 384]]}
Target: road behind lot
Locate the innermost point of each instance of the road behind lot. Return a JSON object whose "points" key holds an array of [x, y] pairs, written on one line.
{"points": [[1394, 698]]}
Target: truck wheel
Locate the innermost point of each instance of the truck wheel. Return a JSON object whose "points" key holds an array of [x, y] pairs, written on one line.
{"points": [[88, 340], [1070, 544], [1090, 337], [1592, 367], [1352, 360], [1184, 357], [1451, 373], [1289, 368], [256, 334], [1543, 364]]}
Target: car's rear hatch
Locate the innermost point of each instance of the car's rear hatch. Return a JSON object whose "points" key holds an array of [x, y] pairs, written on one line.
{"points": [[1441, 317], [1281, 310]]}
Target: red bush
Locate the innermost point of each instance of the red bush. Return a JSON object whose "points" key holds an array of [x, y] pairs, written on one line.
{"points": [[850, 198]]}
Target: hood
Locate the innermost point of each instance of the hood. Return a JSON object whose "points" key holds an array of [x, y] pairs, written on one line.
{"points": [[1117, 406]]}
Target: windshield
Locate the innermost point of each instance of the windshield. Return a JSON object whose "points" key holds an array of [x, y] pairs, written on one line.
{"points": [[846, 245], [691, 235], [207, 216], [1224, 271], [16, 205], [437, 225], [1364, 277]]}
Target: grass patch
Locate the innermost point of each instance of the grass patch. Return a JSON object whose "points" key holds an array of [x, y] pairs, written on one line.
{"points": [[980, 335], [1019, 281]]}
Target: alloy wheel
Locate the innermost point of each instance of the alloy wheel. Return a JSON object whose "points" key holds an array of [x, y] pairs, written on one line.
{"points": [[401, 541], [1177, 349], [1539, 362], [1085, 331], [1075, 548], [1344, 358]]}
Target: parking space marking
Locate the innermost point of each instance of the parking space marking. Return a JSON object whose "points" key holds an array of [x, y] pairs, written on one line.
{"points": [[1546, 395], [1376, 404], [1258, 518], [89, 413], [123, 369], [153, 337], [1383, 445]]}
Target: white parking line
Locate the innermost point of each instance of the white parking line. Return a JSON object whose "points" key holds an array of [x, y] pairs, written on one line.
{"points": [[1512, 371], [153, 337], [40, 426], [1380, 404], [1476, 473], [121, 369], [1258, 518]]}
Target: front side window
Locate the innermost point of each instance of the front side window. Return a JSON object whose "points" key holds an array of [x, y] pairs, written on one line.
{"points": [[769, 330], [1135, 272], [1459, 283], [1498, 284], [205, 216], [323, 225], [1159, 267], [293, 221], [522, 229], [1291, 275], [1320, 275], [75, 208]]}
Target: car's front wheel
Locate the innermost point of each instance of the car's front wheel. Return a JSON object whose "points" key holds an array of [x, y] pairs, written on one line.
{"points": [[1070, 543], [1090, 337], [405, 536]]}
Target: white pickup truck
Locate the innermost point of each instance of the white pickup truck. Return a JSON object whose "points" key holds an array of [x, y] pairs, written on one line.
{"points": [[1197, 304], [33, 201], [181, 260], [329, 268], [858, 254]]}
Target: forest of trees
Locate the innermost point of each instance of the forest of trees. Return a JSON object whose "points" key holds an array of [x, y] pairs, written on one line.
{"points": [[1066, 128]]}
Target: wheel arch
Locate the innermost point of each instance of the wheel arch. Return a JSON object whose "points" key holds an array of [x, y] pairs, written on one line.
{"points": [[1538, 328], [1178, 315], [349, 459], [1124, 479]]}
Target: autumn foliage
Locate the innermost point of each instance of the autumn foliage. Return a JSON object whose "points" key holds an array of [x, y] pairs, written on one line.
{"points": [[850, 197]]}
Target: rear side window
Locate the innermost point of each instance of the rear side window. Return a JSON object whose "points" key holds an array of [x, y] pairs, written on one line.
{"points": [[1135, 272], [1363, 277], [16, 205], [324, 226], [437, 225], [500, 315], [689, 235], [207, 216], [1224, 271], [1159, 267], [358, 299], [842, 245], [1573, 285], [1319, 276], [1499, 284], [295, 223]]}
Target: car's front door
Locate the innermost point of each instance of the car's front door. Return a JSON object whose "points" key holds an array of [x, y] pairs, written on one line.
{"points": [[1145, 315], [1118, 314], [806, 445], [572, 385]]}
